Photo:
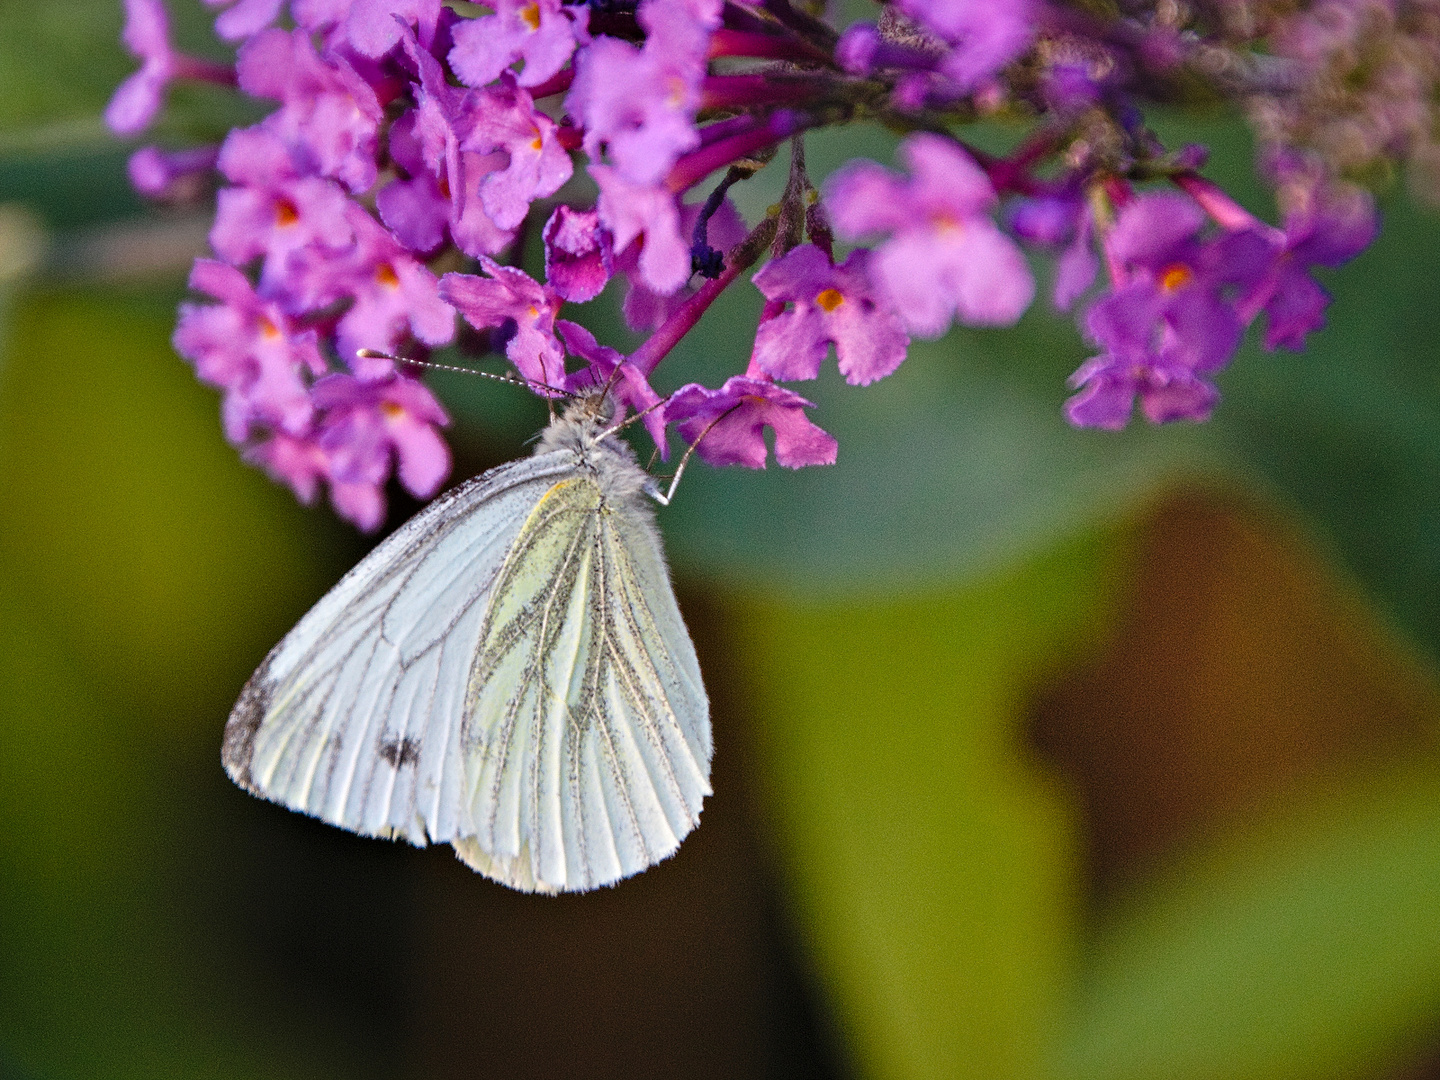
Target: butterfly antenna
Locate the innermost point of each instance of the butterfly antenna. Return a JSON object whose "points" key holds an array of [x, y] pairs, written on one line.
{"points": [[610, 380], [529, 384], [623, 424], [664, 500]]}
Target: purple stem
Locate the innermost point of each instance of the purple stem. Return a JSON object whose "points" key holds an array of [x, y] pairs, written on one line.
{"points": [[723, 129], [1228, 214], [726, 42], [747, 91], [556, 84], [695, 166], [681, 321], [192, 67]]}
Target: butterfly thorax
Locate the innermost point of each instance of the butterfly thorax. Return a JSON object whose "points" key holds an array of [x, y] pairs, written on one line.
{"points": [[581, 430]]}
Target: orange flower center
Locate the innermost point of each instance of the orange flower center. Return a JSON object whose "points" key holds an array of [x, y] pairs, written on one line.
{"points": [[385, 275], [945, 222], [1174, 277], [829, 299], [530, 16], [391, 411], [268, 329], [286, 212]]}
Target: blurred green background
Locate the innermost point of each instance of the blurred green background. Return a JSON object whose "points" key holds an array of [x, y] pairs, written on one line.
{"points": [[1042, 754]]}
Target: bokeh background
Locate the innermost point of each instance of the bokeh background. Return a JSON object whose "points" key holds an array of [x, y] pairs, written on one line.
{"points": [[1042, 754]]}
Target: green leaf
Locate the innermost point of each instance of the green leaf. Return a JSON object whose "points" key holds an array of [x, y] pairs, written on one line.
{"points": [[1302, 945], [61, 62], [931, 867], [147, 570]]}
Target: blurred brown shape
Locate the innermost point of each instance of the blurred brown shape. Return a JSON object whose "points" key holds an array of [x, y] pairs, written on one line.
{"points": [[1242, 666]]}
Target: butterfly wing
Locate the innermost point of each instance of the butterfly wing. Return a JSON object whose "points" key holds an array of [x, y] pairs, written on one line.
{"points": [[587, 731], [355, 716]]}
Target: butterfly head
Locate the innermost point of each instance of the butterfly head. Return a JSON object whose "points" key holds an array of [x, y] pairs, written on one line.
{"points": [[596, 408], [584, 424]]}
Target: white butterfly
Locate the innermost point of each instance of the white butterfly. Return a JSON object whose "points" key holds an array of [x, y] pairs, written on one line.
{"points": [[507, 673]]}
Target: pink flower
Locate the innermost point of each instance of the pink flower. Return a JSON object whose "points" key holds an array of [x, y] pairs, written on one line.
{"points": [[365, 422], [503, 118], [426, 143], [945, 258], [730, 424], [329, 117], [541, 33], [985, 34], [147, 36], [249, 348], [273, 212], [366, 429], [171, 175], [391, 293], [644, 308], [650, 214], [579, 254], [246, 18], [638, 105], [831, 305], [521, 310]]}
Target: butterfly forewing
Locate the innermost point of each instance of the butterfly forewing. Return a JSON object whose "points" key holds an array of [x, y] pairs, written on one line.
{"points": [[587, 732], [508, 672], [355, 716]]}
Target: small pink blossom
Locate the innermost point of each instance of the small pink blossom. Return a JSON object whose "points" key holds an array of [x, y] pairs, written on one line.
{"points": [[649, 215], [830, 305], [273, 212], [540, 33], [365, 430], [248, 347], [638, 106], [644, 308], [166, 175], [138, 99], [328, 116], [427, 139], [391, 294], [730, 423], [520, 309], [945, 258], [579, 254], [245, 18], [503, 118], [365, 422]]}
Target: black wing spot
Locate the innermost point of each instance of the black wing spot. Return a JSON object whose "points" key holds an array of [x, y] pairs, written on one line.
{"points": [[404, 752], [238, 749]]}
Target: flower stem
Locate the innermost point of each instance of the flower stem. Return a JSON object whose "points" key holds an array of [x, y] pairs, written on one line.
{"points": [[726, 42], [694, 167], [556, 84], [192, 67], [742, 256], [748, 91], [1228, 214]]}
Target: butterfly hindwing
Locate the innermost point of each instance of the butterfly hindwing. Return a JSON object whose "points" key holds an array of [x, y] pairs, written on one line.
{"points": [[587, 729]]}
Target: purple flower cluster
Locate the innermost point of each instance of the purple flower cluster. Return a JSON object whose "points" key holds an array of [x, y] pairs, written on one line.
{"points": [[413, 146]]}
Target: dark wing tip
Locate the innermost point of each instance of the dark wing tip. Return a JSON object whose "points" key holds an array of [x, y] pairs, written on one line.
{"points": [[238, 749]]}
